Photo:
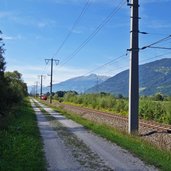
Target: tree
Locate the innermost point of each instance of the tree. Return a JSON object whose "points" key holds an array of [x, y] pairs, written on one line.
{"points": [[60, 93], [2, 79], [2, 60], [12, 87], [120, 96], [158, 97], [17, 89]]}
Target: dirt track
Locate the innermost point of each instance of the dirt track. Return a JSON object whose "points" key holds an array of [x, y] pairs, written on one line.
{"points": [[69, 147]]}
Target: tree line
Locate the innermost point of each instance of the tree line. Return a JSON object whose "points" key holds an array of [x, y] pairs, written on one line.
{"points": [[12, 87]]}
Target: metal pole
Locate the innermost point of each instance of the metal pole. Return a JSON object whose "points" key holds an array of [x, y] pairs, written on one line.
{"points": [[134, 69], [51, 78], [41, 85], [36, 87]]}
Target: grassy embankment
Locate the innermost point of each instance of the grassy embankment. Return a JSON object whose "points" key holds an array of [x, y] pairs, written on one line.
{"points": [[20, 142], [147, 152]]}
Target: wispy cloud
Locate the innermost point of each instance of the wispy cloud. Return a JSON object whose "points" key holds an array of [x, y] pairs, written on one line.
{"points": [[26, 20], [34, 22], [7, 37], [159, 24], [4, 14], [45, 23], [30, 73]]}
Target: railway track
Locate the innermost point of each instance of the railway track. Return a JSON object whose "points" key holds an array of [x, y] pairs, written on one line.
{"points": [[150, 124], [154, 133]]}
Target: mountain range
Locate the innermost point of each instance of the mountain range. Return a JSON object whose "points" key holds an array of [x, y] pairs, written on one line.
{"points": [[79, 84], [154, 77]]}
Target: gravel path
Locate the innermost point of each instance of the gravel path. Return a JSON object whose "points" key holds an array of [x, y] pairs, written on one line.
{"points": [[57, 156], [68, 146]]}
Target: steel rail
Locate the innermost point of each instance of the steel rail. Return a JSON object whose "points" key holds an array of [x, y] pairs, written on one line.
{"points": [[149, 124]]}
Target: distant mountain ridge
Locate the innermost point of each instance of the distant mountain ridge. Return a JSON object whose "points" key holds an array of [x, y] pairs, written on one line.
{"points": [[155, 77], [79, 84]]}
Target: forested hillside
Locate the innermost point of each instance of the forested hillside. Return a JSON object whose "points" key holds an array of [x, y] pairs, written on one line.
{"points": [[155, 77]]}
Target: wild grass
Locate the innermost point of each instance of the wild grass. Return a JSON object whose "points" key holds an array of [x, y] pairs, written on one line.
{"points": [[20, 143]]}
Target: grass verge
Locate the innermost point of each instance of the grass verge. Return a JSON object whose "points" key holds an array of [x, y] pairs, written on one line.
{"points": [[20, 143], [145, 151]]}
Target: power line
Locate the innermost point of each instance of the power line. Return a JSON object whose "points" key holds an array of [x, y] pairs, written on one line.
{"points": [[125, 67], [98, 28], [161, 55], [111, 61], [73, 26], [157, 47], [159, 41], [154, 33]]}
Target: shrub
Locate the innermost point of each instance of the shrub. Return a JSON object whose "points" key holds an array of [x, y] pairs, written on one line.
{"points": [[152, 110]]}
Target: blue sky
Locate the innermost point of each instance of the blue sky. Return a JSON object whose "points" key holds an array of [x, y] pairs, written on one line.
{"points": [[33, 30]]}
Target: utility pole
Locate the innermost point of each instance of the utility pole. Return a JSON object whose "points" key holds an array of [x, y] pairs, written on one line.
{"points": [[97, 84], [51, 75], [134, 68], [41, 83], [36, 87]]}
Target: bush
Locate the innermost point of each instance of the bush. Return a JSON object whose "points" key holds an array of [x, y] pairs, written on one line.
{"points": [[159, 97], [122, 106], [168, 115], [151, 110]]}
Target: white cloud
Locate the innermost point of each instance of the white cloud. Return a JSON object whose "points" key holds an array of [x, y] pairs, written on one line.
{"points": [[44, 23], [7, 37], [159, 24]]}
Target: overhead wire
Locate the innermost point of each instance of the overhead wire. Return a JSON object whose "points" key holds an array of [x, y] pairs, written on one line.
{"points": [[146, 60], [126, 67], [157, 42], [73, 27], [158, 47], [113, 60], [107, 63], [91, 36], [154, 57], [83, 11]]}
